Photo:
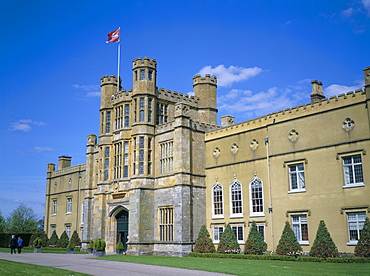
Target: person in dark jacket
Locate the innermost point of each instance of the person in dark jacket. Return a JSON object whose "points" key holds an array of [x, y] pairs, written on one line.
{"points": [[20, 245], [13, 244]]}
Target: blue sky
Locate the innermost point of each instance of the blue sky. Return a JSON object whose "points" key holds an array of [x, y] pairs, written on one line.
{"points": [[264, 53]]}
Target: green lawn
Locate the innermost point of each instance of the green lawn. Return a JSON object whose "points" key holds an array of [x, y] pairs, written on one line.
{"points": [[13, 268], [249, 267]]}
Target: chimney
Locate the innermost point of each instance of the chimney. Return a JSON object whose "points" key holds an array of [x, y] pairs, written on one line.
{"points": [[64, 162], [317, 94], [227, 120]]}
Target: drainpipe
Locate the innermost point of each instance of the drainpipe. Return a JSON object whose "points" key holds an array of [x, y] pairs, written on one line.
{"points": [[270, 196]]}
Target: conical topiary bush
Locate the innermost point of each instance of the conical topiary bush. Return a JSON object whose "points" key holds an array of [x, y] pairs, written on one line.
{"points": [[228, 242], [288, 244], [362, 248], [255, 243], [204, 243], [323, 246]]}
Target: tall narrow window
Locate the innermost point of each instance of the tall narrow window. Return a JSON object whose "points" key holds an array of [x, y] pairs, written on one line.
{"points": [[236, 199], [142, 109], [141, 155], [256, 195], [106, 164], [166, 224], [119, 117], [127, 115], [150, 155], [150, 110], [261, 230], [162, 114], [300, 228], [125, 162], [166, 157], [150, 75], [217, 233], [356, 221], [68, 230], [107, 122], [118, 160], [218, 208], [54, 210], [134, 153], [69, 205], [142, 74], [352, 167], [296, 177]]}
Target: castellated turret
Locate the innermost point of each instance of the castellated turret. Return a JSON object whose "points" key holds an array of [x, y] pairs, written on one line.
{"points": [[108, 86], [205, 90], [144, 75]]}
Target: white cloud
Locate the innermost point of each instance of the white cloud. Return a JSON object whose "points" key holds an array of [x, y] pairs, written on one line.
{"points": [[366, 4], [228, 76], [25, 125], [336, 89], [348, 12], [40, 149], [91, 90]]}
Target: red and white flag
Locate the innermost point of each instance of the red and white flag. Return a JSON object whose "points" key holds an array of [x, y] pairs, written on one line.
{"points": [[114, 36]]}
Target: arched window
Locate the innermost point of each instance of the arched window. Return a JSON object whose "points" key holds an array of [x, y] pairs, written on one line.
{"points": [[236, 199], [217, 198], [256, 196]]}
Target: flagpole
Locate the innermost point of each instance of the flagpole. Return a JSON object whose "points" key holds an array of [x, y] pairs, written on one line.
{"points": [[119, 57]]}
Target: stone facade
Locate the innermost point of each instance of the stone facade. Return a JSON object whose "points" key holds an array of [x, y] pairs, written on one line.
{"points": [[160, 167]]}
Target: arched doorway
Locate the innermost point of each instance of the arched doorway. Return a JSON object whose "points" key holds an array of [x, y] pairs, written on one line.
{"points": [[122, 228]]}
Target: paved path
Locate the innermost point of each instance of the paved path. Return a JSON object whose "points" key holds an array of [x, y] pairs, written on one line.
{"points": [[82, 263]]}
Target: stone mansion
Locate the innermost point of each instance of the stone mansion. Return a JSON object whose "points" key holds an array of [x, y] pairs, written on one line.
{"points": [[161, 167]]}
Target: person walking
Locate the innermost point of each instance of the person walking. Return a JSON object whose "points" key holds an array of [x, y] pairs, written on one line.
{"points": [[20, 245], [13, 244]]}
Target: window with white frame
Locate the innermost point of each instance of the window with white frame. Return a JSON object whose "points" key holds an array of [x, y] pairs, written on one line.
{"points": [[53, 228], [356, 221], [239, 233], [217, 232], [236, 199], [217, 197], [300, 228], [166, 157], [69, 205], [68, 230], [296, 177], [261, 230], [256, 196], [54, 210], [352, 168]]}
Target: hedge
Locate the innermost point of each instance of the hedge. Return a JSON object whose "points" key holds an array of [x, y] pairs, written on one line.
{"points": [[280, 258], [5, 238]]}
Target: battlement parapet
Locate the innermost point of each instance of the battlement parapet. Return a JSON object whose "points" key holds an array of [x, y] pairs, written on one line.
{"points": [[333, 102], [106, 80], [164, 128], [69, 170], [120, 96], [198, 79], [174, 96], [146, 62], [202, 126]]}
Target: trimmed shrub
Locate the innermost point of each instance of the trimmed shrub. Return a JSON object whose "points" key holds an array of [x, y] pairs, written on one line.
{"points": [[54, 239], [75, 239], [288, 244], [255, 243], [63, 241], [99, 245], [362, 248], [323, 246], [91, 245], [119, 245], [44, 238], [204, 243], [228, 242], [37, 242]]}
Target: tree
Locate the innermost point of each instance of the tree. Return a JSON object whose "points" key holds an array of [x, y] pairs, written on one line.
{"points": [[54, 238], [22, 220], [2, 223], [75, 240], [255, 243], [228, 242], [362, 248], [323, 246], [288, 242], [204, 243], [63, 241]]}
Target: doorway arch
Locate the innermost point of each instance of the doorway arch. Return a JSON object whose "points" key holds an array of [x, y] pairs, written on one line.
{"points": [[122, 228]]}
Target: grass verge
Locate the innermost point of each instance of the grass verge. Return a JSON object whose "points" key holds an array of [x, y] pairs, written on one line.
{"points": [[14, 268], [248, 267]]}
